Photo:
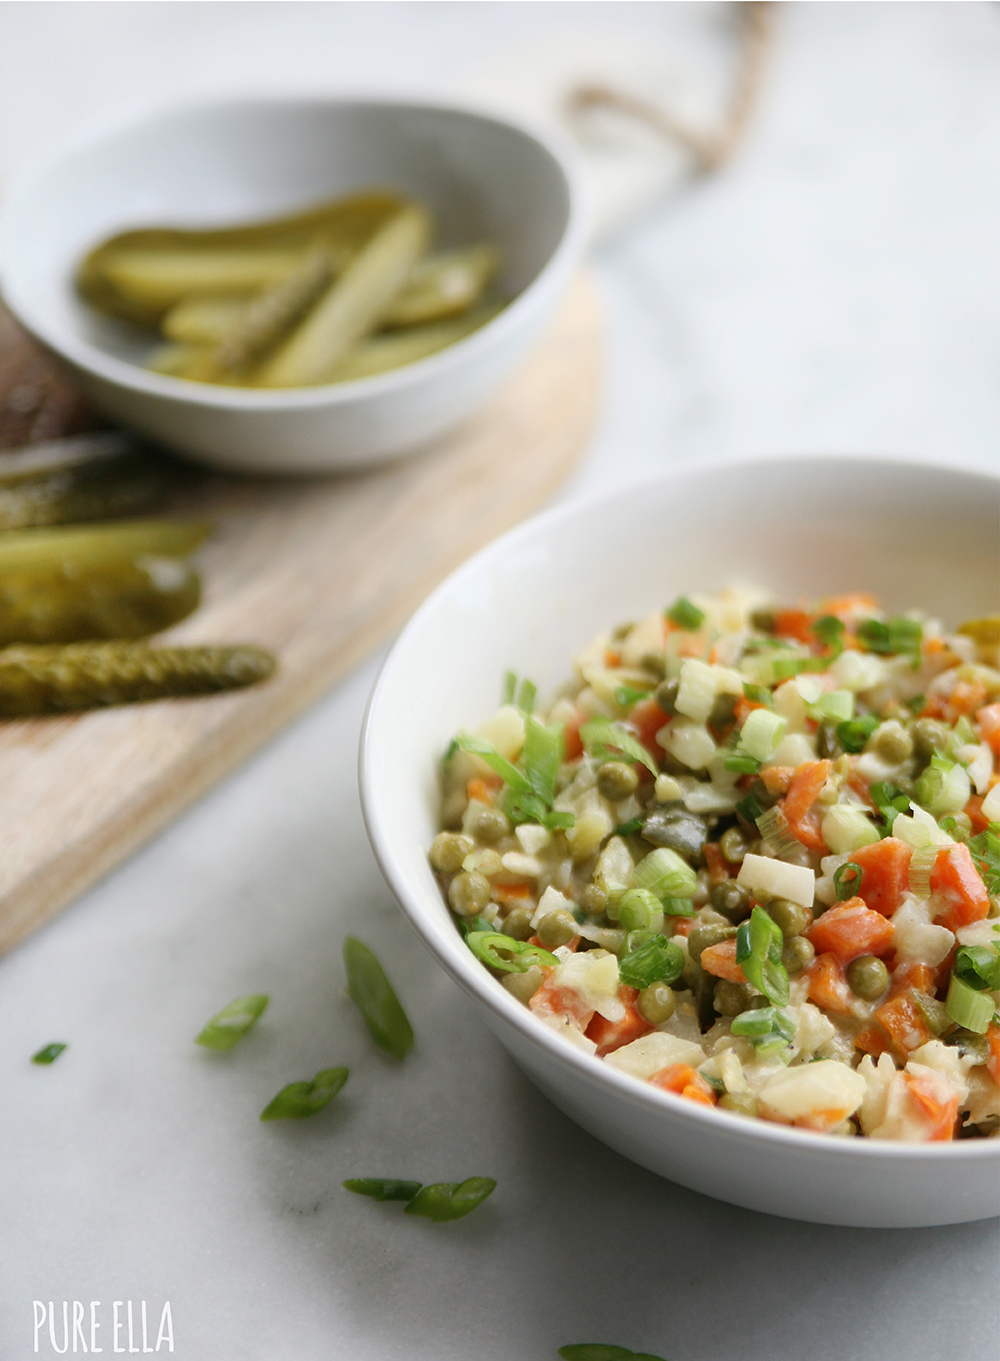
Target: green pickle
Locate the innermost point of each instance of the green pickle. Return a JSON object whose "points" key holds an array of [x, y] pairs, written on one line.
{"points": [[124, 598], [70, 493], [37, 680], [83, 548]]}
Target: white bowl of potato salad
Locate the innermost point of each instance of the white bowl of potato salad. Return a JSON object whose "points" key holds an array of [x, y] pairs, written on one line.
{"points": [[695, 787]]}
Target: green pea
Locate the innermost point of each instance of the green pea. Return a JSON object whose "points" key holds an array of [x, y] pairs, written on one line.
{"points": [[730, 999], [448, 850], [893, 743], [594, 901], [791, 918], [469, 893], [731, 900], [616, 781], [733, 845], [706, 934], [798, 954], [518, 924], [666, 696], [929, 736], [867, 977], [489, 825], [556, 928], [656, 1003]]}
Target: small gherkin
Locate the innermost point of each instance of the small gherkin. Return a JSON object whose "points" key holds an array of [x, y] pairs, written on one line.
{"points": [[53, 679]]}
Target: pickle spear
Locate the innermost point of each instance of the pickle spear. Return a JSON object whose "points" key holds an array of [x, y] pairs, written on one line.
{"points": [[85, 546], [100, 488], [353, 305], [393, 349], [54, 680], [444, 285], [139, 274], [114, 599]]}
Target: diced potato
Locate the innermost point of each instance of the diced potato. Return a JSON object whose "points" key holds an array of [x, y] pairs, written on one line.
{"points": [[647, 1055]]}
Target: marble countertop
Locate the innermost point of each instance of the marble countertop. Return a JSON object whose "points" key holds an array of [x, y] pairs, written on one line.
{"points": [[836, 289]]}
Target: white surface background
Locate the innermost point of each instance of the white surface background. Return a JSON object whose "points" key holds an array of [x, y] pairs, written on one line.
{"points": [[836, 289]]}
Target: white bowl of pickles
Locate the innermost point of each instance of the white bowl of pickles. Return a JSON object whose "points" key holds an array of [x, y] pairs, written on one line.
{"points": [[293, 285]]}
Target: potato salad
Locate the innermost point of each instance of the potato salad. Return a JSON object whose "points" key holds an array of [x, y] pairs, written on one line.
{"points": [[750, 856]]}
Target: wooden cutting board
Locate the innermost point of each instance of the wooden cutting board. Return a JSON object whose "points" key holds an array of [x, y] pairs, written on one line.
{"points": [[319, 570]]}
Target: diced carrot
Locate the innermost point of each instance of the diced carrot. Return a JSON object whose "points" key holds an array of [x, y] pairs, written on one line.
{"points": [[850, 929], [481, 788], [611, 1035], [956, 880], [744, 707], [885, 873], [967, 697], [845, 607], [512, 893], [720, 961], [682, 926], [858, 784], [777, 778], [794, 624], [911, 974], [808, 779], [555, 1001], [974, 812], [827, 984], [943, 1114], [572, 741], [873, 1040], [993, 1062], [571, 944], [988, 719], [685, 1081], [612, 657], [646, 719], [905, 1022], [718, 865]]}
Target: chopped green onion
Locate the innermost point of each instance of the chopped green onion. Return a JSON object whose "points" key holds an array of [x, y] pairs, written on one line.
{"points": [[761, 733], [629, 828], [300, 1099], [921, 863], [678, 907], [232, 1022], [749, 808], [636, 909], [774, 828], [372, 992], [602, 1351], [49, 1054], [659, 960], [829, 630], [854, 734], [526, 697], [685, 615], [509, 687], [664, 873], [469, 924], [510, 774], [968, 1008], [607, 741], [759, 943], [543, 755], [985, 849], [899, 637], [530, 792], [507, 954], [447, 1200], [979, 966], [382, 1188], [767, 1028], [916, 703], [627, 695], [835, 705], [635, 940], [757, 694], [847, 881], [943, 787], [890, 801], [742, 765]]}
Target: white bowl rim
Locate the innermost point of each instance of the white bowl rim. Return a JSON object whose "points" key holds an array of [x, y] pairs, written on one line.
{"points": [[119, 371], [474, 978]]}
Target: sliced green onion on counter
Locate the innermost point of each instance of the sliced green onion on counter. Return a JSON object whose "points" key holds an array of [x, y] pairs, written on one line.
{"points": [[301, 1099], [382, 1188], [448, 1200], [232, 1022], [372, 992], [48, 1054]]}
